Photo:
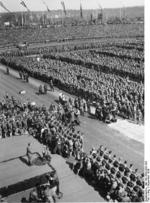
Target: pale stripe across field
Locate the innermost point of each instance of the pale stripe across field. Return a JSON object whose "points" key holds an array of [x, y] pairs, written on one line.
{"points": [[129, 129]]}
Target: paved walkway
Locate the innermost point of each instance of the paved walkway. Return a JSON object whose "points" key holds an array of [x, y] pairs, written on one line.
{"points": [[129, 129]]}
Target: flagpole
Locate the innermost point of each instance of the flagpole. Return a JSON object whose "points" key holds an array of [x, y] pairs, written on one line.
{"points": [[29, 14], [43, 18], [25, 20], [28, 10], [101, 16], [51, 21], [22, 21], [4, 7], [16, 19], [63, 10], [62, 17], [120, 13]]}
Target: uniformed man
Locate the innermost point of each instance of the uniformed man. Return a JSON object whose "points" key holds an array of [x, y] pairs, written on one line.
{"points": [[7, 71], [45, 88], [49, 195], [27, 77], [76, 116], [33, 196], [29, 154], [40, 89], [54, 181], [58, 148], [101, 151], [46, 154], [51, 85], [114, 110]]}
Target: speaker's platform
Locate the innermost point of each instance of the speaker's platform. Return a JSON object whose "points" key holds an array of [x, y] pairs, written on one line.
{"points": [[15, 173], [13, 147]]}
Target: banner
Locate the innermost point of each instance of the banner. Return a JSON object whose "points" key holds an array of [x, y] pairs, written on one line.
{"points": [[64, 9], [81, 12], [24, 5], [100, 15], [46, 6], [4, 7], [48, 9]]}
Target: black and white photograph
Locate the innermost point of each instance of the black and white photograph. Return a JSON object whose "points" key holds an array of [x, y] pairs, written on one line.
{"points": [[72, 101]]}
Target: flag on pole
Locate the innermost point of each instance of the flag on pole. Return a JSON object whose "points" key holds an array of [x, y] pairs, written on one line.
{"points": [[4, 7], [46, 6], [81, 11], [24, 5], [91, 16], [48, 9], [100, 15], [64, 9]]}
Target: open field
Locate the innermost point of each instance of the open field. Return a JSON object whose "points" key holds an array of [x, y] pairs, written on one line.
{"points": [[96, 133], [108, 72], [73, 86]]}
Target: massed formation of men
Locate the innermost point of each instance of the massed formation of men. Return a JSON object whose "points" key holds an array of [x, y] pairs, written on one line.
{"points": [[112, 176], [53, 128], [91, 84]]}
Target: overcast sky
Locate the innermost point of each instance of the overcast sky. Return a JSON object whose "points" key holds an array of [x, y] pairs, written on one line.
{"points": [[38, 5]]}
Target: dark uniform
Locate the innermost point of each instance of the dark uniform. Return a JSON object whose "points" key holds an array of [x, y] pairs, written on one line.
{"points": [[7, 71], [51, 85], [40, 89], [45, 89], [29, 154], [54, 181]]}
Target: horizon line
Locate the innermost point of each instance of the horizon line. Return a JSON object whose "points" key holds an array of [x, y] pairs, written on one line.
{"points": [[4, 12]]}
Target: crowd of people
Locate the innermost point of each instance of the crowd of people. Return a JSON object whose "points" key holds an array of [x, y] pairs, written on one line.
{"points": [[41, 35], [105, 61], [118, 181], [109, 73], [51, 127], [12, 119], [24, 75], [124, 43], [115, 51], [43, 89], [54, 128], [92, 85], [139, 46]]}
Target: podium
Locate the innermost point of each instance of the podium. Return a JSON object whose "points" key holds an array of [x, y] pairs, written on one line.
{"points": [[92, 110]]}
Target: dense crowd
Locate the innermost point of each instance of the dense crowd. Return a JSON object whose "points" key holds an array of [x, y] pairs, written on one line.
{"points": [[131, 43], [122, 52], [105, 61], [12, 119], [110, 74], [92, 85], [118, 181], [51, 127], [55, 128], [139, 46], [42, 35]]}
